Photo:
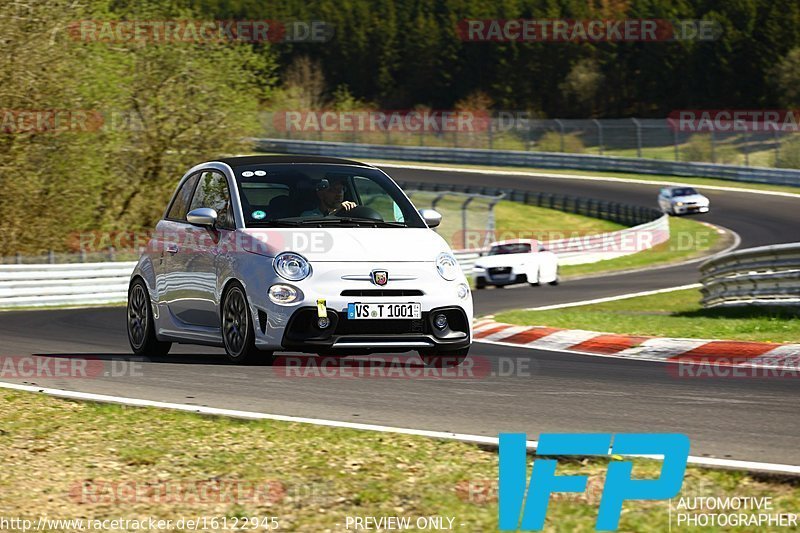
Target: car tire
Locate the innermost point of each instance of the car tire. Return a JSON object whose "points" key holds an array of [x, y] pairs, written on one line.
{"points": [[141, 327], [444, 358], [480, 284], [238, 333]]}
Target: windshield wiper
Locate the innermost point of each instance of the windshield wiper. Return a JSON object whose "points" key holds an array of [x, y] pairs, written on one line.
{"points": [[338, 221], [278, 222]]}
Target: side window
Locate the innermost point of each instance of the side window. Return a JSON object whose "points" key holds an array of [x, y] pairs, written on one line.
{"points": [[180, 203], [374, 196], [212, 191]]}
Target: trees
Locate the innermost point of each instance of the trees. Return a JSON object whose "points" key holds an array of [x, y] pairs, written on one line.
{"points": [[159, 108]]}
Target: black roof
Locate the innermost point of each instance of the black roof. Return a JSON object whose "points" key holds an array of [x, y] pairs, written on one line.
{"points": [[242, 161]]}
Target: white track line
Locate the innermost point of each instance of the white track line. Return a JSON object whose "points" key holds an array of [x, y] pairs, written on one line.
{"points": [[462, 437], [589, 178], [614, 298]]}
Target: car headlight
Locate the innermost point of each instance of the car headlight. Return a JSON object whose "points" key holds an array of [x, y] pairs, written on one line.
{"points": [[478, 268], [447, 266], [282, 294], [291, 266], [679, 204]]}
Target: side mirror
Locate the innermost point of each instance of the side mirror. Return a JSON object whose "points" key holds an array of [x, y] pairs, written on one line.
{"points": [[431, 217], [202, 216]]}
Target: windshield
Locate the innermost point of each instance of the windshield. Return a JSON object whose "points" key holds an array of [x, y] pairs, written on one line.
{"points": [[322, 195], [686, 191], [515, 248]]}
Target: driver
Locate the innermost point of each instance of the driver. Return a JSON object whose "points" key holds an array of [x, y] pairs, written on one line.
{"points": [[330, 197]]}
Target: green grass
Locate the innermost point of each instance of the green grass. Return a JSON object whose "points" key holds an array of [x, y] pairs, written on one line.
{"points": [[672, 314], [309, 477], [515, 220], [688, 240]]}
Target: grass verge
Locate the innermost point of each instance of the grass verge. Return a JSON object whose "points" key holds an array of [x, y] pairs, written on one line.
{"points": [[67, 459], [515, 220], [688, 240], [672, 314], [659, 178]]}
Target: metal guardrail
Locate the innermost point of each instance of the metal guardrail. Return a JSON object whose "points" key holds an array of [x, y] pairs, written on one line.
{"points": [[102, 283], [625, 214], [32, 285], [533, 159], [766, 276], [64, 284]]}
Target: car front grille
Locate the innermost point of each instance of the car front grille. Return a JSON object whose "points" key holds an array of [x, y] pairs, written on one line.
{"points": [[382, 292], [380, 327], [500, 271]]}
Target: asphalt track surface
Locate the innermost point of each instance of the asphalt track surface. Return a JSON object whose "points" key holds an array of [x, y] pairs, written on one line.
{"points": [[508, 389]]}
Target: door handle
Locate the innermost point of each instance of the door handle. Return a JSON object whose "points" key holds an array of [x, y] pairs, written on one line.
{"points": [[172, 248]]}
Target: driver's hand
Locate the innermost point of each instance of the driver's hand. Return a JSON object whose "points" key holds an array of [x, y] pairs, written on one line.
{"points": [[347, 206]]}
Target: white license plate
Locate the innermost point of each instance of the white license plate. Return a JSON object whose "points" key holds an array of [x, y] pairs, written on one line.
{"points": [[374, 311]]}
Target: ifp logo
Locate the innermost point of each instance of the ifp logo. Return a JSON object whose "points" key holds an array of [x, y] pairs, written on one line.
{"points": [[619, 485]]}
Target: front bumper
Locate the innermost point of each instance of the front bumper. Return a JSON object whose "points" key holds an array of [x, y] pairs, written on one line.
{"points": [[686, 209], [302, 333], [279, 327], [499, 276]]}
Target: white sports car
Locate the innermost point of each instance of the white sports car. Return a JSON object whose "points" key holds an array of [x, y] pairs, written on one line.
{"points": [[312, 254], [682, 200], [516, 261]]}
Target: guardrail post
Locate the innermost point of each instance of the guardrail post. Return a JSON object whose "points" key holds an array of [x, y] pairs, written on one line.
{"points": [[675, 143], [51, 257], [491, 133], [713, 146], [490, 223], [82, 255], [777, 148], [436, 201], [599, 135], [638, 138], [745, 147], [464, 207], [110, 253], [529, 140], [561, 133], [18, 258]]}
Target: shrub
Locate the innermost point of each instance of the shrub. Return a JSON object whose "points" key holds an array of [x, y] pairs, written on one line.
{"points": [[789, 153], [698, 148], [551, 142]]}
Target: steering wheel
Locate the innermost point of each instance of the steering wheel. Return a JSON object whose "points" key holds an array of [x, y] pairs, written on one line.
{"points": [[360, 211]]}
